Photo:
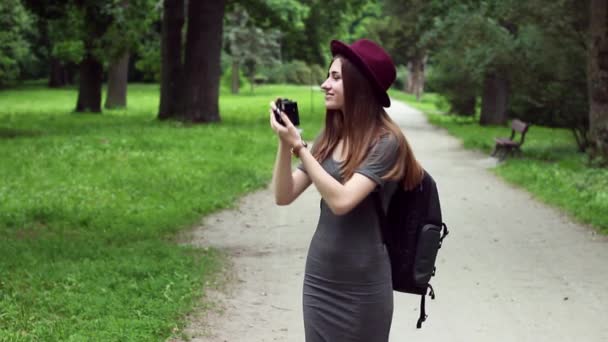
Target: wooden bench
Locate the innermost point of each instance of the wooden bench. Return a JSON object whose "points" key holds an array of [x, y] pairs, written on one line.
{"points": [[508, 146]]}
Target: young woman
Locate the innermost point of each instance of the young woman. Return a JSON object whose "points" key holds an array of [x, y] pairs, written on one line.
{"points": [[348, 292]]}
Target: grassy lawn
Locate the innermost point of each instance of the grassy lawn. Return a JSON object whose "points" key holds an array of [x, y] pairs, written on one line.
{"points": [[551, 168], [90, 204]]}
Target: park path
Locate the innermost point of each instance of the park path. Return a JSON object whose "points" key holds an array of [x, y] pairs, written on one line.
{"points": [[512, 269]]}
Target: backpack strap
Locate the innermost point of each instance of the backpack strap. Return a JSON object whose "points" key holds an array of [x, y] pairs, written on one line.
{"points": [[423, 314], [445, 233]]}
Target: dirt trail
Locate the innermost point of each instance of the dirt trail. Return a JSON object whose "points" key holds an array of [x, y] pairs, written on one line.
{"points": [[513, 269]]}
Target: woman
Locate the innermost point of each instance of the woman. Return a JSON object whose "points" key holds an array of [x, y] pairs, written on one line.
{"points": [[347, 285]]}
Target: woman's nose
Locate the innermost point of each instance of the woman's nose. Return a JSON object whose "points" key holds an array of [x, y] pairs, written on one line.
{"points": [[325, 85]]}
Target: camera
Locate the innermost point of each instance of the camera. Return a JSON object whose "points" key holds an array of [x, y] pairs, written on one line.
{"points": [[288, 107]]}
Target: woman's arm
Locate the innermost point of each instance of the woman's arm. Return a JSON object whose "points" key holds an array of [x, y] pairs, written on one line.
{"points": [[287, 185], [340, 198]]}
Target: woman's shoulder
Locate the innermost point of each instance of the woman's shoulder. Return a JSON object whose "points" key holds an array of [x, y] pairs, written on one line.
{"points": [[386, 141]]}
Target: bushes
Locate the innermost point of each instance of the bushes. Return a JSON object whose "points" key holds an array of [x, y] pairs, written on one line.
{"points": [[14, 23], [459, 88], [226, 80], [294, 72]]}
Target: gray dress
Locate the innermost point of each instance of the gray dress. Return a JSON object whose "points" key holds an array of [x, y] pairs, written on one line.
{"points": [[348, 293]]}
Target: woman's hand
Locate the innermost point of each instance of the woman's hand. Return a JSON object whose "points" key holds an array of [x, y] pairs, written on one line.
{"points": [[288, 134]]}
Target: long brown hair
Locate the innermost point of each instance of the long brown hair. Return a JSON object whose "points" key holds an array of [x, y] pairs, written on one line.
{"points": [[361, 124]]}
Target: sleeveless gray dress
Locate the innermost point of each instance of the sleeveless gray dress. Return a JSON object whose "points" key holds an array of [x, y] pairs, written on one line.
{"points": [[348, 293]]}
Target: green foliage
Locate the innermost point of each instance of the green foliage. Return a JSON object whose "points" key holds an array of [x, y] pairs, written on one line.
{"points": [[551, 167], [66, 35], [318, 74], [129, 23], [89, 206], [226, 80], [149, 62], [401, 80], [291, 12], [326, 20], [295, 72], [250, 46], [538, 47], [14, 25], [428, 103], [551, 86], [105, 29]]}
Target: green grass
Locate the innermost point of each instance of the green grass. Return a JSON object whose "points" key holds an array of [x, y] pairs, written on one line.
{"points": [[551, 168], [429, 103], [90, 204]]}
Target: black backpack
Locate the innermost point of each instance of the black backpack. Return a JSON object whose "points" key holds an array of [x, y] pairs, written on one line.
{"points": [[413, 232]]}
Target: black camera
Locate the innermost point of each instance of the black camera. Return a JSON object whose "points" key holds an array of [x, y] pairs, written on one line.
{"points": [[288, 107]]}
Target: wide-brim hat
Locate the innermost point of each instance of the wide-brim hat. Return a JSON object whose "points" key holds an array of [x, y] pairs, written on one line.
{"points": [[371, 59]]}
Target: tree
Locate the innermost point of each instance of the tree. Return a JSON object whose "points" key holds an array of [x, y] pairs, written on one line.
{"points": [[117, 82], [131, 19], [14, 23], [249, 45], [195, 99], [59, 44], [171, 59], [525, 59], [325, 20], [202, 61], [406, 25], [598, 80], [96, 21], [91, 34], [478, 35]]}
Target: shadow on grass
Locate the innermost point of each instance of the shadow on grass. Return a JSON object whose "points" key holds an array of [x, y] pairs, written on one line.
{"points": [[12, 133]]}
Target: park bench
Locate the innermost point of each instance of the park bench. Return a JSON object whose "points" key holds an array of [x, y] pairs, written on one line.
{"points": [[508, 146]]}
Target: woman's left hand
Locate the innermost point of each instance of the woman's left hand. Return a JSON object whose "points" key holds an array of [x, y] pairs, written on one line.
{"points": [[288, 134]]}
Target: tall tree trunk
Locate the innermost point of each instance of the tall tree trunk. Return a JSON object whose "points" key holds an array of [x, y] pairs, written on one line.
{"points": [[494, 101], [410, 78], [117, 82], [235, 77], [598, 80], [202, 63], [415, 79], [91, 78], [58, 74], [171, 59]]}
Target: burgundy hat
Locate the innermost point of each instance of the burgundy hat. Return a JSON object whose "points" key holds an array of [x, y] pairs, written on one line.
{"points": [[373, 61]]}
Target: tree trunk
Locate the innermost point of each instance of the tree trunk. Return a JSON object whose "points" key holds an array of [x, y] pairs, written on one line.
{"points": [[117, 83], [171, 59], [202, 63], [235, 77], [415, 79], [598, 81], [91, 78], [410, 78], [494, 101], [58, 74]]}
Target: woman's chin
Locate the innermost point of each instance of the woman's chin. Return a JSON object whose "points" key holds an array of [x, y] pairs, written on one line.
{"points": [[331, 106]]}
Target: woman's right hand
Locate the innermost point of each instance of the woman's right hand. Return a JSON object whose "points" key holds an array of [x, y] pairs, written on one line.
{"points": [[288, 134]]}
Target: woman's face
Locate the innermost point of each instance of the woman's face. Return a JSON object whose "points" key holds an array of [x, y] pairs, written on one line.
{"points": [[334, 91]]}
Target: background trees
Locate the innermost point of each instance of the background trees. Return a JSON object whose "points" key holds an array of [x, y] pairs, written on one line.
{"points": [[538, 60], [190, 92], [15, 23], [598, 80]]}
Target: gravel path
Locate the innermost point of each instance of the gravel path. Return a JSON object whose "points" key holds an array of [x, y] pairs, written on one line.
{"points": [[512, 269]]}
